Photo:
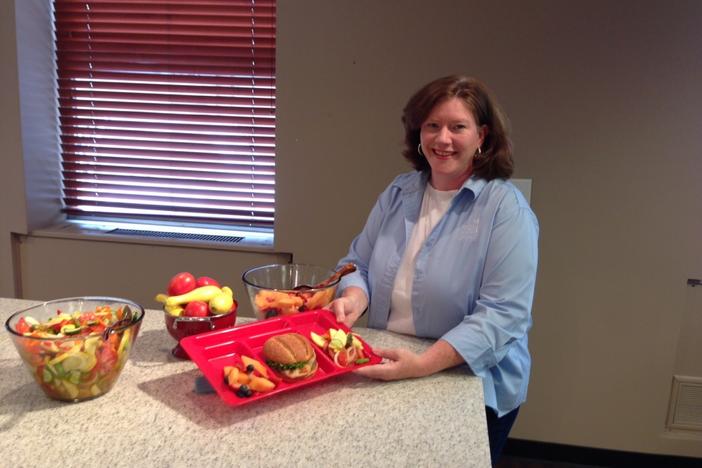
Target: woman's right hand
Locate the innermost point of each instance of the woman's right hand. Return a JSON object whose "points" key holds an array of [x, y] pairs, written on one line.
{"points": [[350, 306]]}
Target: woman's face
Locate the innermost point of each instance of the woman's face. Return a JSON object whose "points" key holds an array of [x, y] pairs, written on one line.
{"points": [[450, 137]]}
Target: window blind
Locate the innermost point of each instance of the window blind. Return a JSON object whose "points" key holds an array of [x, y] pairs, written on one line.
{"points": [[167, 109]]}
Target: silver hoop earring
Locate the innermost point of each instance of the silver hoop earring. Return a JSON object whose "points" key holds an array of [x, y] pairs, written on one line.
{"points": [[479, 150], [419, 149]]}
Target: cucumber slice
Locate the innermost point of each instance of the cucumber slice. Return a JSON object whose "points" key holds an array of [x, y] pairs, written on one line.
{"points": [[71, 389], [91, 344], [46, 375], [74, 377], [31, 321], [63, 356], [124, 344], [51, 369], [70, 329], [80, 361]]}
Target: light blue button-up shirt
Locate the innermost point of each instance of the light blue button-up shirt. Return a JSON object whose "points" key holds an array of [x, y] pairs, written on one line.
{"points": [[473, 281]]}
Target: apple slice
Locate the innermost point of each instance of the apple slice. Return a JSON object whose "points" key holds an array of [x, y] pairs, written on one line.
{"points": [[357, 343], [318, 340]]}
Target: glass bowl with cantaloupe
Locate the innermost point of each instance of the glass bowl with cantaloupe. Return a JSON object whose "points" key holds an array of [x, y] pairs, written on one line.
{"points": [[286, 289]]}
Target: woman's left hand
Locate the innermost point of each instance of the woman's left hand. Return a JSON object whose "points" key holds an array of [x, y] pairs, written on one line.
{"points": [[399, 364]]}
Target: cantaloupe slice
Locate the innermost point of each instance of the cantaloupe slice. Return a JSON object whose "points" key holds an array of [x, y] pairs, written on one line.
{"points": [[261, 384], [257, 365]]}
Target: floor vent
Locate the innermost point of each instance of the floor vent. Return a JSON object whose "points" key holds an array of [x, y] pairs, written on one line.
{"points": [[176, 235], [685, 410]]}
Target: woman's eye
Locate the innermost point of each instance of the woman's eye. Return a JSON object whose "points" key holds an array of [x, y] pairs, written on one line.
{"points": [[431, 125], [459, 127]]}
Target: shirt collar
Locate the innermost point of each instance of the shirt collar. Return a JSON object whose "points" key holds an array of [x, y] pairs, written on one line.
{"points": [[474, 184]]}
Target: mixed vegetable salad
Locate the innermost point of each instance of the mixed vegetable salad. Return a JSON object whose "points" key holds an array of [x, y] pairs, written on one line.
{"points": [[78, 355], [344, 348]]}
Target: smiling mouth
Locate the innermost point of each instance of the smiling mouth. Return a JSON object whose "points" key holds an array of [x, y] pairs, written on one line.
{"points": [[443, 154]]}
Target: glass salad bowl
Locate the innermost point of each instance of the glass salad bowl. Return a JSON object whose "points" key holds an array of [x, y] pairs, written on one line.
{"points": [[76, 348]]}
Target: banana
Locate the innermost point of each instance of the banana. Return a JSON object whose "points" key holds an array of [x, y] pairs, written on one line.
{"points": [[203, 293], [219, 300]]}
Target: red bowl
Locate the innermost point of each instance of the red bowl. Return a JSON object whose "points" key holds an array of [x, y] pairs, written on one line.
{"points": [[180, 327]]}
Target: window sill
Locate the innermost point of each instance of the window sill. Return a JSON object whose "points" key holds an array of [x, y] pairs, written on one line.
{"points": [[250, 241]]}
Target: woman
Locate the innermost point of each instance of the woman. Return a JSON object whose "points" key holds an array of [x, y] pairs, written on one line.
{"points": [[449, 252]]}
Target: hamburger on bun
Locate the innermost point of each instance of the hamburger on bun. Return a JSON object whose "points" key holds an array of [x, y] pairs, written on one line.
{"points": [[290, 355]]}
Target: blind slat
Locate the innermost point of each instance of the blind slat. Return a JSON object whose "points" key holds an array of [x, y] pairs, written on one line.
{"points": [[72, 125], [161, 111], [242, 194], [137, 5], [108, 182], [221, 100], [109, 133], [155, 53], [244, 156], [76, 172], [167, 109], [98, 77], [263, 41], [153, 72], [183, 148], [234, 60], [192, 203], [183, 14], [139, 213]]}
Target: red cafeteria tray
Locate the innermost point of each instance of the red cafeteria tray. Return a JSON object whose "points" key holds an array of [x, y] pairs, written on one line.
{"points": [[212, 351]]}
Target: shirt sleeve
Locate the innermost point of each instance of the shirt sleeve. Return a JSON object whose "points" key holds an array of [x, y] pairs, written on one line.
{"points": [[502, 313]]}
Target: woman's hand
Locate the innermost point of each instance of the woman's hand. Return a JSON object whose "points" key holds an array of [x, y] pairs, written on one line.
{"points": [[400, 363], [349, 307]]}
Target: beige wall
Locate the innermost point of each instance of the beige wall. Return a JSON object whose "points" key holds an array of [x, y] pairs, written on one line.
{"points": [[12, 206], [605, 106], [133, 270]]}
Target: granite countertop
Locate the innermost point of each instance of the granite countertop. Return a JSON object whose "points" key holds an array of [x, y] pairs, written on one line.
{"points": [[153, 417]]}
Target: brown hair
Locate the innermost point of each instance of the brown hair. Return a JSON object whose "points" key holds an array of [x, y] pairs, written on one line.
{"points": [[496, 158]]}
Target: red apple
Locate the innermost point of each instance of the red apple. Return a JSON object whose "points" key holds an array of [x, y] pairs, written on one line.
{"points": [[196, 309], [181, 283], [207, 281]]}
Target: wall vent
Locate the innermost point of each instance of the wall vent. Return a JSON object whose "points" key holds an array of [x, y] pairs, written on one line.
{"points": [[176, 235], [685, 410]]}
